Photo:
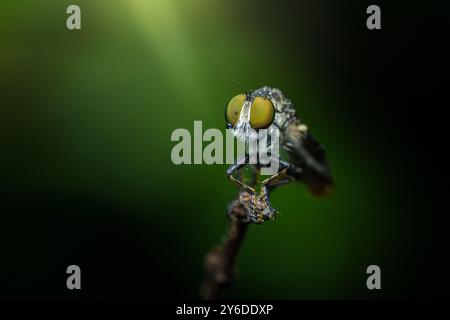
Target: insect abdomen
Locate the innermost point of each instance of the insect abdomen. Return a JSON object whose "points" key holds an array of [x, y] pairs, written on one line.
{"points": [[309, 155]]}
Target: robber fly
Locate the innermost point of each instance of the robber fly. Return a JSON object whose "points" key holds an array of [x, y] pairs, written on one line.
{"points": [[267, 108]]}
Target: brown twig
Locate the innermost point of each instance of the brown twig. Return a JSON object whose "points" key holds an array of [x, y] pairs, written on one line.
{"points": [[220, 261]]}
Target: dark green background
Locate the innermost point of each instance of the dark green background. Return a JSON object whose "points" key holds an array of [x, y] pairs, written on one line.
{"points": [[86, 119]]}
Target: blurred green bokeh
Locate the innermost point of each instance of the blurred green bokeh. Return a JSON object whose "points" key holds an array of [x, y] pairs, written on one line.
{"points": [[91, 112]]}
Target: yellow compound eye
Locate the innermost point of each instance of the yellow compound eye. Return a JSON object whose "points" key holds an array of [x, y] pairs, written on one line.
{"points": [[234, 108], [261, 113]]}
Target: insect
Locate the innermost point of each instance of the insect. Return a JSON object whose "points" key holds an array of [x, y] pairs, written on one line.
{"points": [[268, 108]]}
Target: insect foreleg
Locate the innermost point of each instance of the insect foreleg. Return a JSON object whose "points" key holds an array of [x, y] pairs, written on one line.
{"points": [[280, 178], [235, 168]]}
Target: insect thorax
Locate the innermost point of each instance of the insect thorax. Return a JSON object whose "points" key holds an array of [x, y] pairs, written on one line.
{"points": [[284, 108]]}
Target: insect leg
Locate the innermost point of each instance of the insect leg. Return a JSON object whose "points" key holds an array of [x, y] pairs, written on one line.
{"points": [[235, 168], [280, 178]]}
